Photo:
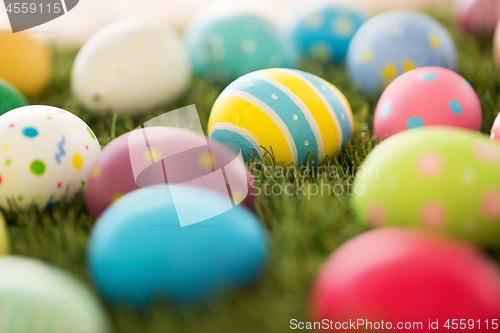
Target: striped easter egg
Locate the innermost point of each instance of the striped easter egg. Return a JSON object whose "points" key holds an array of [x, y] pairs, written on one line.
{"points": [[297, 116]]}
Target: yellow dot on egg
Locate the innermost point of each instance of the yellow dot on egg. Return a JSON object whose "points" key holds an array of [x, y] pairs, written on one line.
{"points": [[398, 31], [96, 172], [237, 196], [408, 65], [314, 21], [435, 43], [116, 196], [147, 77], [74, 127], [152, 155], [110, 93], [77, 161], [38, 197], [5, 147], [160, 40], [206, 161], [389, 71], [367, 56], [343, 27], [140, 46]]}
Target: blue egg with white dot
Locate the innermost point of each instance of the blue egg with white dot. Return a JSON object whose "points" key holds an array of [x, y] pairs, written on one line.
{"points": [[395, 42], [323, 32], [139, 251], [227, 44]]}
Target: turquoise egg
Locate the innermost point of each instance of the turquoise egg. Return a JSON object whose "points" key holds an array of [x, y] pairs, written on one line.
{"points": [[139, 252], [229, 45], [395, 42], [323, 32]]}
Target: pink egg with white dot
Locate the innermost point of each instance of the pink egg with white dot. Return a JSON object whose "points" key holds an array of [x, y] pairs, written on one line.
{"points": [[427, 96]]}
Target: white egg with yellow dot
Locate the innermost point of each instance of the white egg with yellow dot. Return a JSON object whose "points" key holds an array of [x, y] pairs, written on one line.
{"points": [[45, 155], [395, 42], [130, 66]]}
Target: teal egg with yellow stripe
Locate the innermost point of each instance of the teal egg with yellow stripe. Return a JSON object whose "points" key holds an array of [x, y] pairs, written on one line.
{"points": [[297, 116]]}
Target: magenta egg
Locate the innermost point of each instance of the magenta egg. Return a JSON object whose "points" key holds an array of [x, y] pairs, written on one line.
{"points": [[478, 16], [113, 174], [427, 96], [495, 130], [399, 276]]}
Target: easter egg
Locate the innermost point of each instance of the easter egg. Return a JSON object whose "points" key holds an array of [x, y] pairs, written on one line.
{"points": [[297, 116], [45, 155], [496, 46], [112, 175], [478, 16], [24, 62], [437, 178], [139, 252], [37, 297], [495, 130], [405, 280], [10, 97], [395, 42], [427, 96], [228, 43], [4, 240], [130, 66], [323, 32]]}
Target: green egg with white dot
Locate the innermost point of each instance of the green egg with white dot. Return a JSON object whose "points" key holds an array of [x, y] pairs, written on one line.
{"points": [[440, 179], [45, 155], [226, 42]]}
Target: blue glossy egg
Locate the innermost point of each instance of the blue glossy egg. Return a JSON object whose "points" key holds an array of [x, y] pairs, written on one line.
{"points": [[228, 45], [323, 32], [138, 251], [395, 42]]}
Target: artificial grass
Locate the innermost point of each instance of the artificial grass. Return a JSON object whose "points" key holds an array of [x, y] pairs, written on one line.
{"points": [[303, 231]]}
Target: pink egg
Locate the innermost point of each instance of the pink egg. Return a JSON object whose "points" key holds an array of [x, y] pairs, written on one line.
{"points": [[113, 176], [399, 275], [496, 46], [478, 16], [495, 130], [427, 96]]}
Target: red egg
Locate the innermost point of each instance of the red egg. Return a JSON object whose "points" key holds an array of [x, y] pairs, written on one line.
{"points": [[478, 16], [400, 276], [427, 96], [113, 176]]}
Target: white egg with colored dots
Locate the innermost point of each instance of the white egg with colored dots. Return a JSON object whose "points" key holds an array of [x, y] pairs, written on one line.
{"points": [[45, 155]]}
